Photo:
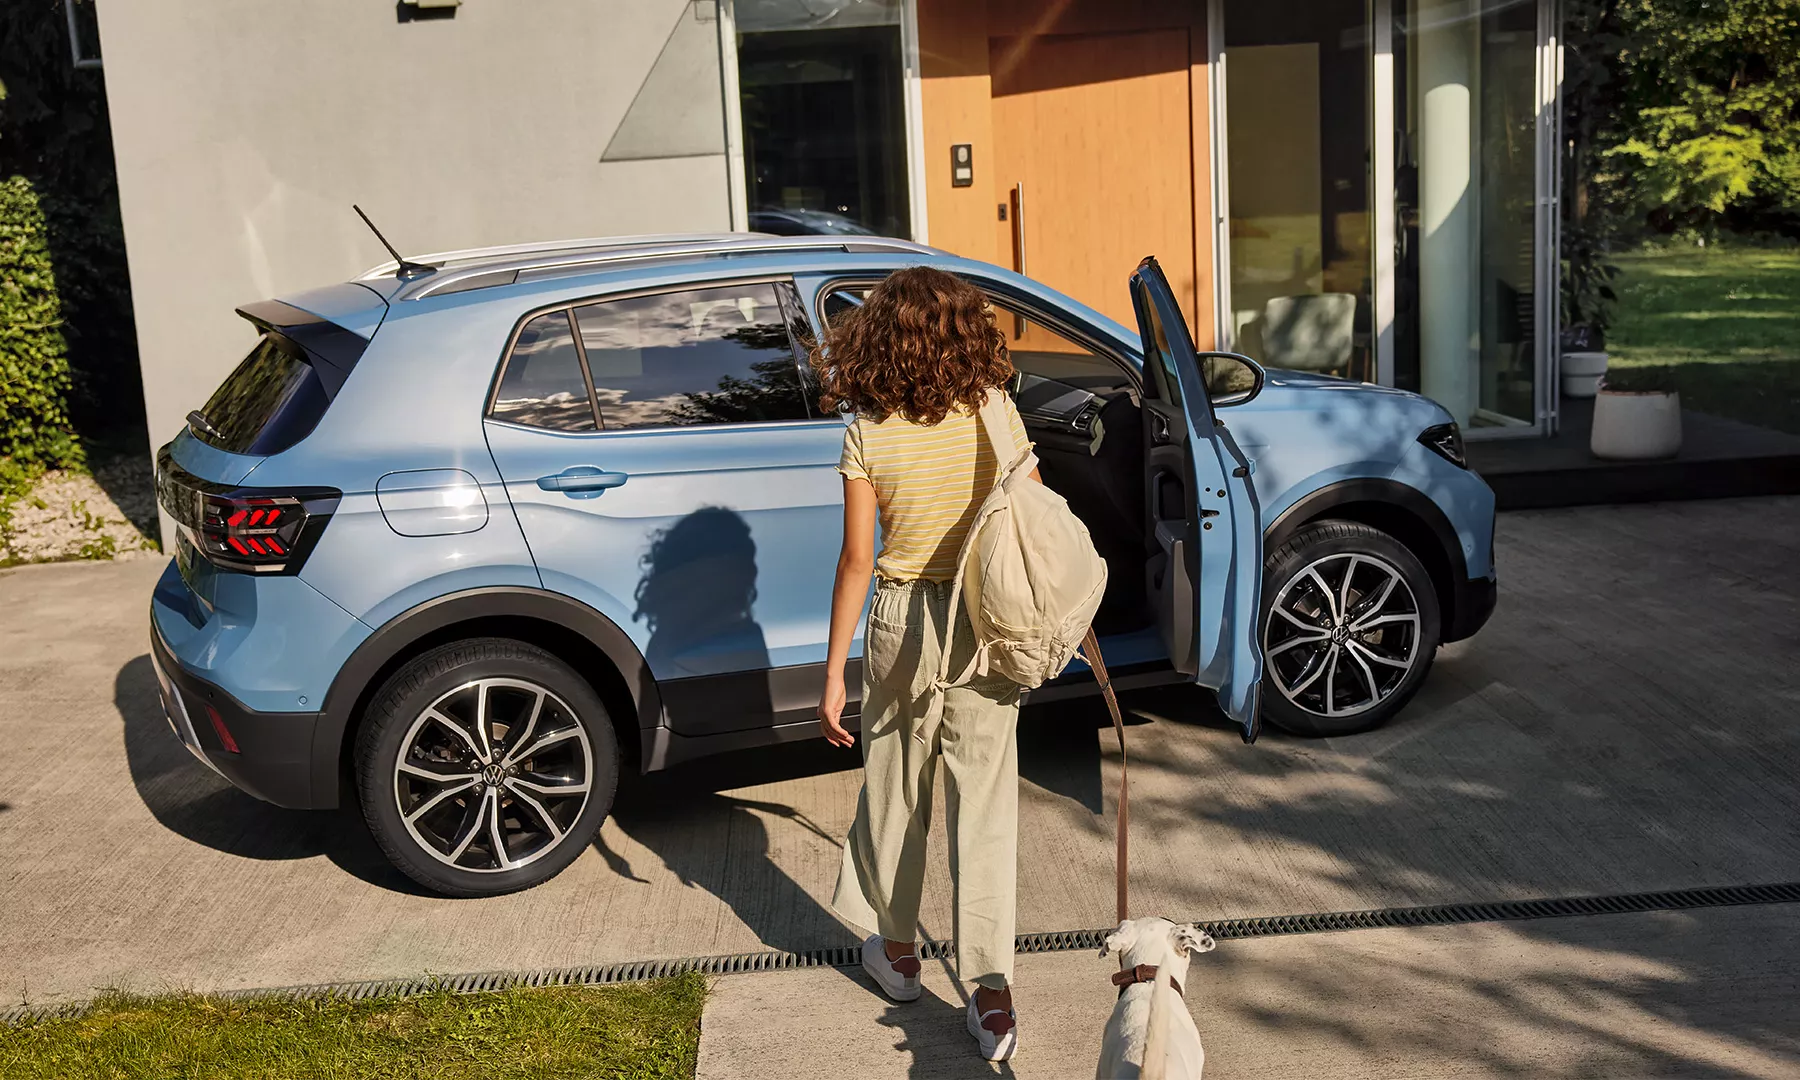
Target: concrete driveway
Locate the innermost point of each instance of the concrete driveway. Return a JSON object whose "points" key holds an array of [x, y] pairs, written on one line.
{"points": [[1627, 722]]}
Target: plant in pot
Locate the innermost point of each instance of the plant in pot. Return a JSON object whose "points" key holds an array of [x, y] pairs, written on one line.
{"points": [[1588, 297], [1637, 415]]}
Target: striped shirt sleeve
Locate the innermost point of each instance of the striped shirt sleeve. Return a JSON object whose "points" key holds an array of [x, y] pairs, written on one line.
{"points": [[850, 463]]}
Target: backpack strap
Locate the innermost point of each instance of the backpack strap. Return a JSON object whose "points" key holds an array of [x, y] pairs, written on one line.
{"points": [[992, 417]]}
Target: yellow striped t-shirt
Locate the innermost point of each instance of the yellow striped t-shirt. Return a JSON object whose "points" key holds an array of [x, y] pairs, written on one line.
{"points": [[928, 481]]}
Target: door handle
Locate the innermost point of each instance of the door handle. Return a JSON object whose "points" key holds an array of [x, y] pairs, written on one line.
{"points": [[1018, 209], [582, 481]]}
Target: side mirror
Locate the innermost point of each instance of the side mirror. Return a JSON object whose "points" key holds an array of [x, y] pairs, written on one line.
{"points": [[1231, 379]]}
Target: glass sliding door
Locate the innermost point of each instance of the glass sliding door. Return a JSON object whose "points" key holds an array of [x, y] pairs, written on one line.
{"points": [[1466, 175], [1296, 94], [821, 93]]}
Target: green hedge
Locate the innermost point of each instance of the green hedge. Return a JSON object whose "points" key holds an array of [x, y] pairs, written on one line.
{"points": [[35, 432]]}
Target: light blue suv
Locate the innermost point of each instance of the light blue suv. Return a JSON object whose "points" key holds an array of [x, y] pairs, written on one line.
{"points": [[461, 539]]}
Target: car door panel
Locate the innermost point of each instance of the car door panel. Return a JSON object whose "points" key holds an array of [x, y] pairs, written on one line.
{"points": [[712, 545], [1204, 534]]}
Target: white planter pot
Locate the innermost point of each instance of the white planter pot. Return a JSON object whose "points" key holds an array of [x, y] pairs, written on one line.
{"points": [[1580, 386], [1581, 373], [1636, 427], [1584, 363]]}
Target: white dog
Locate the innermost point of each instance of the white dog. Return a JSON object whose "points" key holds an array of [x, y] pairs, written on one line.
{"points": [[1151, 1035]]}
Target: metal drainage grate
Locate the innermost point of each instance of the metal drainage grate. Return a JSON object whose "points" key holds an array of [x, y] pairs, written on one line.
{"points": [[1056, 941]]}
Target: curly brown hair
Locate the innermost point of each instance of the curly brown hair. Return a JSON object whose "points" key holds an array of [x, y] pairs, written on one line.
{"points": [[923, 344]]}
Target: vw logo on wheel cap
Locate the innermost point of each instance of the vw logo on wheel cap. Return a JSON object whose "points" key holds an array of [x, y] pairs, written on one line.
{"points": [[493, 774]]}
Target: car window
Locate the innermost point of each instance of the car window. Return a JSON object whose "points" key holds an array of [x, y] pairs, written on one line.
{"points": [[843, 298], [271, 401], [700, 356], [543, 386], [1162, 362]]}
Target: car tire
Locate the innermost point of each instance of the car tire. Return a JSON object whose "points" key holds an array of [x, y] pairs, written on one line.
{"points": [[1337, 668], [485, 766]]}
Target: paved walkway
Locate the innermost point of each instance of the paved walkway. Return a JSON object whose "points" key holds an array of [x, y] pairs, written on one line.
{"points": [[1626, 723], [1704, 993]]}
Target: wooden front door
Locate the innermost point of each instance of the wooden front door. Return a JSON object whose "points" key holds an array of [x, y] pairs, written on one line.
{"points": [[1098, 128]]}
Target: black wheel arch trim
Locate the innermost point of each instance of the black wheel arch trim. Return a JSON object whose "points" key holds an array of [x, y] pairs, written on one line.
{"points": [[1463, 613], [354, 681]]}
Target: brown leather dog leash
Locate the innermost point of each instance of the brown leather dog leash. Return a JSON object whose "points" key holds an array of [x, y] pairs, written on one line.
{"points": [[1090, 649]]}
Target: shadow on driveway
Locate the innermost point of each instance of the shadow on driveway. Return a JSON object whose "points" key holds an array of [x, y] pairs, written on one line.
{"points": [[190, 800]]}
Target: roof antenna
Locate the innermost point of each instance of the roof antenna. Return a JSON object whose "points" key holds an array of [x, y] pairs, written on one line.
{"points": [[405, 267]]}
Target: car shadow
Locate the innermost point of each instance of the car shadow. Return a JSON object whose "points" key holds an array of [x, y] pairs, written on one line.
{"points": [[191, 801]]}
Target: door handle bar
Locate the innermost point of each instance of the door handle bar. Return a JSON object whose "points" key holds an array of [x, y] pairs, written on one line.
{"points": [[582, 478]]}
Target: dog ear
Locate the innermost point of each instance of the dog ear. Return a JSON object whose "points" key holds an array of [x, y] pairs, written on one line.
{"points": [[1191, 939], [1120, 940]]}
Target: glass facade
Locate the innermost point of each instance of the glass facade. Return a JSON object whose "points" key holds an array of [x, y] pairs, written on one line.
{"points": [[1459, 84], [821, 93], [1297, 133], [1465, 192]]}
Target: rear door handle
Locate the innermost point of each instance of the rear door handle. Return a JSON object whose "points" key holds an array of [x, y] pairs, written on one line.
{"points": [[582, 481]]}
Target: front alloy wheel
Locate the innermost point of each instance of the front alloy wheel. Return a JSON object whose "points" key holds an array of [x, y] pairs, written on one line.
{"points": [[486, 767], [1349, 629]]}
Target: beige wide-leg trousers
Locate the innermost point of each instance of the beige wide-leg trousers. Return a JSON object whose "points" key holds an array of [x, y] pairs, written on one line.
{"points": [[883, 871]]}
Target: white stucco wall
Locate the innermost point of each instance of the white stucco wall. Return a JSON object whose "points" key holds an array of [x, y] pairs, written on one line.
{"points": [[244, 129]]}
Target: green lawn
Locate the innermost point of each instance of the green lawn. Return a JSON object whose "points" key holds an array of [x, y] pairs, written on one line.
{"points": [[633, 1031], [1726, 321]]}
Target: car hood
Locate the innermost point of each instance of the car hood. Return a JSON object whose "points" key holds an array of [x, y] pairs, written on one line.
{"points": [[1374, 420]]}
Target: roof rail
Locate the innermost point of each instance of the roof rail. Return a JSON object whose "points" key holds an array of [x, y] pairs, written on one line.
{"points": [[505, 266], [441, 259]]}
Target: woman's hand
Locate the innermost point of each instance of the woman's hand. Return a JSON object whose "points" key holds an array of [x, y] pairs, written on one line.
{"points": [[831, 707]]}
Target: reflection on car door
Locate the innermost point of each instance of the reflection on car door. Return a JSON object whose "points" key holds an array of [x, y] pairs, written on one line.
{"points": [[692, 499], [1206, 575]]}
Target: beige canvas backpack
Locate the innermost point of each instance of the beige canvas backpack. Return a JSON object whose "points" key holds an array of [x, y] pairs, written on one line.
{"points": [[1028, 573]]}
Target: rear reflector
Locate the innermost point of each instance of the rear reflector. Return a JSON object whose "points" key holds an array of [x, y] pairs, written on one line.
{"points": [[224, 733]]}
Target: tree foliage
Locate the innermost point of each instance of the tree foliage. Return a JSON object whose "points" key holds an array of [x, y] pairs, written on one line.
{"points": [[1680, 115], [34, 363], [64, 249], [1686, 113]]}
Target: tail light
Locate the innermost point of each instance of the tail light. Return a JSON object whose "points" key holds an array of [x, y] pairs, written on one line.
{"points": [[258, 533], [252, 530]]}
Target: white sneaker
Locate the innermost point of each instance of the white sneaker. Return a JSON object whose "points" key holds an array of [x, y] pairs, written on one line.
{"points": [[898, 979], [996, 1045]]}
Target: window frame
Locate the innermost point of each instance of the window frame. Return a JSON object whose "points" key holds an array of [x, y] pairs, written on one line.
{"points": [[1014, 302], [567, 307]]}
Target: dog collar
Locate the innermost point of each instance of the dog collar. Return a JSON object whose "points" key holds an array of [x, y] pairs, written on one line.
{"points": [[1143, 973]]}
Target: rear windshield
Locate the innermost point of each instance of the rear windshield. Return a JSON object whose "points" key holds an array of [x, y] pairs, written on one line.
{"points": [[272, 401]]}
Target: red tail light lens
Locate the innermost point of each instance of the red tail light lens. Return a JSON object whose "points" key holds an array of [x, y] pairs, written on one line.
{"points": [[254, 533], [251, 530]]}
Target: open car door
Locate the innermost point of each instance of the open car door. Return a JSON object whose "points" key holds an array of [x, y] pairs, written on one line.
{"points": [[1205, 565]]}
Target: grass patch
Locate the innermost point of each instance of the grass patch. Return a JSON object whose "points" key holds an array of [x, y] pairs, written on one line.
{"points": [[634, 1031], [1725, 321]]}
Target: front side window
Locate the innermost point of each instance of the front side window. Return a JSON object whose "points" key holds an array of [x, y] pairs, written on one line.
{"points": [[701, 356], [542, 386]]}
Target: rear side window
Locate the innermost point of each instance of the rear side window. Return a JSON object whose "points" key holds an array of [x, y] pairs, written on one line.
{"points": [[272, 401], [543, 386], [700, 356]]}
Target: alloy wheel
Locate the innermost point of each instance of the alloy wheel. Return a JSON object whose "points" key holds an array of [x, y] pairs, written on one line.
{"points": [[493, 774], [1342, 635]]}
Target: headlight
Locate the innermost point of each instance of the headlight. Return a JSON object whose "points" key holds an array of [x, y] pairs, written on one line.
{"points": [[1445, 440]]}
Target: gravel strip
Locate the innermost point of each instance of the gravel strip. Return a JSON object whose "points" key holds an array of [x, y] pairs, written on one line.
{"points": [[70, 515]]}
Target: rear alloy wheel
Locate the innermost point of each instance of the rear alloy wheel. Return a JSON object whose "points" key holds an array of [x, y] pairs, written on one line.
{"points": [[486, 767], [1350, 625]]}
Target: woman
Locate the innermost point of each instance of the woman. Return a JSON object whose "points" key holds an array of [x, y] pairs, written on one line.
{"points": [[914, 364]]}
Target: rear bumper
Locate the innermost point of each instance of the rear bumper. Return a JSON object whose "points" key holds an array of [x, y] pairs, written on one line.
{"points": [[1475, 601], [274, 750]]}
